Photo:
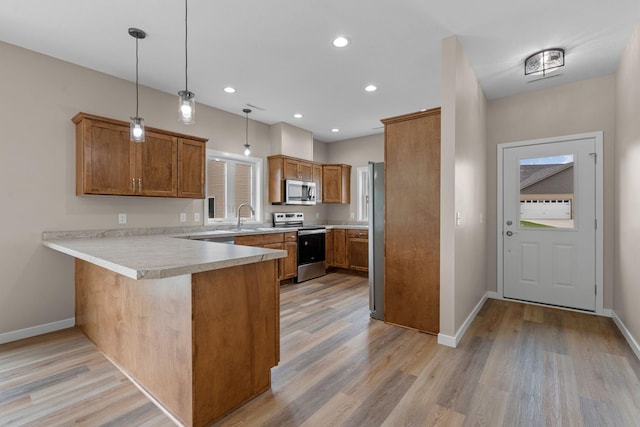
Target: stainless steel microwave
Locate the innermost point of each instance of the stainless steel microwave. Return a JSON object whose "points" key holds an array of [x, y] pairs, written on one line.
{"points": [[299, 192]]}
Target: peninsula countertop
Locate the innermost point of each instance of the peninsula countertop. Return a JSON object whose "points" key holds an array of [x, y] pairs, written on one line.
{"points": [[159, 256]]}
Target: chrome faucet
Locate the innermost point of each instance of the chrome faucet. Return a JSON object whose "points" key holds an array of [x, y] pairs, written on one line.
{"points": [[253, 212]]}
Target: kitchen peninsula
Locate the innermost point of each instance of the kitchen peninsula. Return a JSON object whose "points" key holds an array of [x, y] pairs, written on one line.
{"points": [[195, 324]]}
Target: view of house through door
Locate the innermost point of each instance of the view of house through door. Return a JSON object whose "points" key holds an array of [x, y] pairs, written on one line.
{"points": [[549, 223]]}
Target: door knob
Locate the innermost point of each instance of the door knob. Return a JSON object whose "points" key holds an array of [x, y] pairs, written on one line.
{"points": [[509, 233]]}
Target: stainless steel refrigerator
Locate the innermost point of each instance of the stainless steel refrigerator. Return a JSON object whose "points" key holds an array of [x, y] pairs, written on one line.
{"points": [[376, 240]]}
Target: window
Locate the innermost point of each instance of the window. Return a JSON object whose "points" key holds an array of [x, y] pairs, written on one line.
{"points": [[231, 181], [363, 193]]}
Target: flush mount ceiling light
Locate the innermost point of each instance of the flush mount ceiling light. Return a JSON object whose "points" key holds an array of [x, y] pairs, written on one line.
{"points": [[297, 115], [543, 61], [229, 89], [341, 41], [186, 99], [371, 88], [335, 130], [137, 122], [247, 147]]}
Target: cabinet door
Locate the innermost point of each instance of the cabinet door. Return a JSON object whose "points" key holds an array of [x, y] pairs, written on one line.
{"points": [[106, 159], [157, 166], [276, 179], [291, 261], [291, 169], [191, 168], [317, 178], [331, 182], [328, 249], [358, 250], [305, 171], [339, 248]]}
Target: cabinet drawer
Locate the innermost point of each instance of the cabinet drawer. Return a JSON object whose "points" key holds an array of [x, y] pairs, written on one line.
{"points": [[291, 236], [259, 239], [359, 234]]}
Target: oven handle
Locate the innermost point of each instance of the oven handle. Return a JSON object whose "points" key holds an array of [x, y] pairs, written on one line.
{"points": [[307, 232]]}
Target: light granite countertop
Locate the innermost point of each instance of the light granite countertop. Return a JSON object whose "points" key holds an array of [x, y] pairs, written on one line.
{"points": [[160, 256], [159, 253]]}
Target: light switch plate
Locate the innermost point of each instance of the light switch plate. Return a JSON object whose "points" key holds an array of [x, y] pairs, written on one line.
{"points": [[122, 218], [183, 217], [196, 216]]}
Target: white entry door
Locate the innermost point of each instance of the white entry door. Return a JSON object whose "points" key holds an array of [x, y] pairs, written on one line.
{"points": [[550, 259]]}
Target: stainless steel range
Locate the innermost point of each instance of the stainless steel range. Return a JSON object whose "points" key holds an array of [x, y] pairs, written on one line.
{"points": [[311, 244]]}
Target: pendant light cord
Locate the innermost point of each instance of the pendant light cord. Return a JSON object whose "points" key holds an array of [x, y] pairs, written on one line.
{"points": [[246, 130], [136, 77], [186, 10]]}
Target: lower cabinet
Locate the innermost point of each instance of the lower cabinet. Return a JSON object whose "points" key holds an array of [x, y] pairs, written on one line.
{"points": [[348, 249], [287, 267], [358, 249]]}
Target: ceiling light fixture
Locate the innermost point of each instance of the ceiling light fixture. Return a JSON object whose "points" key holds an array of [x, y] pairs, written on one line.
{"points": [[247, 147], [371, 88], [186, 99], [229, 89], [137, 122], [335, 130], [297, 115], [543, 61], [341, 41]]}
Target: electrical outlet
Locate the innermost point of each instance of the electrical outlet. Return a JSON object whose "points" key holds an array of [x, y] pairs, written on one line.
{"points": [[196, 216], [183, 217], [353, 215], [317, 215], [122, 218]]}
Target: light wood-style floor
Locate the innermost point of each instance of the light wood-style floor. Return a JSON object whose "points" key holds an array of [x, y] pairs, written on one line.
{"points": [[518, 365]]}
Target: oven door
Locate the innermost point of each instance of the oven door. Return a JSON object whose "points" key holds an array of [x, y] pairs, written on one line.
{"points": [[311, 244]]}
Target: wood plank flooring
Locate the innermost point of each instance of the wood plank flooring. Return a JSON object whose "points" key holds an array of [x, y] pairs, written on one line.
{"points": [[518, 365]]}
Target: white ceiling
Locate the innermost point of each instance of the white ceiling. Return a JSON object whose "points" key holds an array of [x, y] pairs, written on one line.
{"points": [[279, 57]]}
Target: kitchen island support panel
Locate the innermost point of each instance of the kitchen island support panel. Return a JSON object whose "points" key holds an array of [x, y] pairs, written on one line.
{"points": [[201, 344]]}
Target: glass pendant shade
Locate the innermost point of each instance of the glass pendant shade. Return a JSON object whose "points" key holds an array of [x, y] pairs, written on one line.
{"points": [[186, 107], [137, 129], [247, 149]]}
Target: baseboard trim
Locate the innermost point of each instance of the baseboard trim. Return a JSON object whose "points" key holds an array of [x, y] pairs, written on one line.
{"points": [[627, 334], [450, 341], [36, 330]]}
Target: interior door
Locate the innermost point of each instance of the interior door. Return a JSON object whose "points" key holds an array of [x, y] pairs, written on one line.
{"points": [[549, 229]]}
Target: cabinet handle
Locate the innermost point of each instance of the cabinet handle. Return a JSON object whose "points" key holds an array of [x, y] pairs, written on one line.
{"points": [[139, 185], [133, 185]]}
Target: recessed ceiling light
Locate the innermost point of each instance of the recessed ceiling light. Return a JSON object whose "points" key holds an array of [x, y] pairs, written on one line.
{"points": [[371, 88], [229, 89], [297, 115], [335, 130], [341, 41]]}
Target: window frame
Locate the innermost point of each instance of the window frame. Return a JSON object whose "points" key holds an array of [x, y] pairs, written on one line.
{"points": [[363, 194], [257, 183]]}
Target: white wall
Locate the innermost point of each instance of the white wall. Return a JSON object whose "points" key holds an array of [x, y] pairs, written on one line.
{"points": [[37, 171], [626, 289], [463, 190], [580, 107], [357, 152]]}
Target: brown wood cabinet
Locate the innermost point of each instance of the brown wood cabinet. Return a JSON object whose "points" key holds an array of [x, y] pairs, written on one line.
{"points": [[328, 249], [358, 249], [336, 183], [287, 267], [284, 167], [167, 164], [412, 247], [340, 248]]}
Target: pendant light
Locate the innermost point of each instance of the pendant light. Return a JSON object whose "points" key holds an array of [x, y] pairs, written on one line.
{"points": [[247, 147], [137, 122], [186, 99]]}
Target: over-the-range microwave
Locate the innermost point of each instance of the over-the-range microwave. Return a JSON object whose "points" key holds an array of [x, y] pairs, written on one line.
{"points": [[299, 192]]}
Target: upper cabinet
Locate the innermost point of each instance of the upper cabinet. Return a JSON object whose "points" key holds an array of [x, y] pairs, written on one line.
{"points": [[283, 167], [167, 164], [336, 183]]}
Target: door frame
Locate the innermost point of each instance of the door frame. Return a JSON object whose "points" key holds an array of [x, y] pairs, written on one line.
{"points": [[598, 136]]}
